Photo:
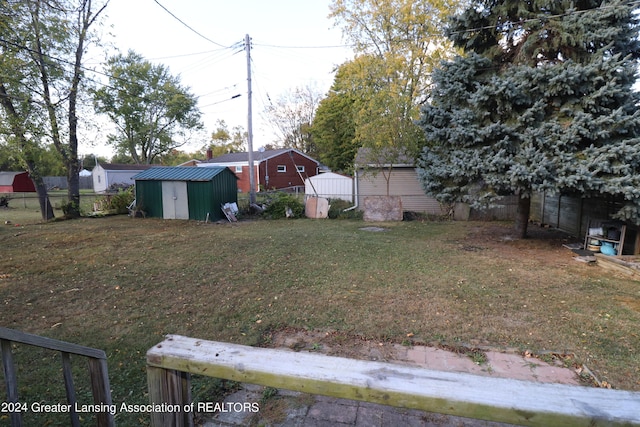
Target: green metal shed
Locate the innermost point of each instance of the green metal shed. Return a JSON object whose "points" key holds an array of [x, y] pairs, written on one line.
{"points": [[186, 192]]}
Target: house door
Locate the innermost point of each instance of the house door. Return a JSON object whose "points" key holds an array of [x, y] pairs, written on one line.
{"points": [[174, 200]]}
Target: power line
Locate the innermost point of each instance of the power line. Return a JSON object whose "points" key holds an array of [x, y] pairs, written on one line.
{"points": [[63, 61], [305, 47], [190, 28], [206, 52], [220, 102]]}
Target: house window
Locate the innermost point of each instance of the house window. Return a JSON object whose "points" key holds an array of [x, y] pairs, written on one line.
{"points": [[300, 169], [282, 168], [238, 169]]}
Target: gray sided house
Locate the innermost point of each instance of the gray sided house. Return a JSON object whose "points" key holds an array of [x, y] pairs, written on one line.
{"points": [[185, 192], [371, 180], [371, 176]]}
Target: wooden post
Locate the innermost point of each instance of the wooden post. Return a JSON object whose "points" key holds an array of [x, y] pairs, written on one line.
{"points": [[170, 389], [69, 388], [11, 381], [101, 390]]}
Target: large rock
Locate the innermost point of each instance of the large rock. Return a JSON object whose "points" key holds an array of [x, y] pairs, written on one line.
{"points": [[382, 208]]}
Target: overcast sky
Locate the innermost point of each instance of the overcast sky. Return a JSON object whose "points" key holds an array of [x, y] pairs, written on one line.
{"points": [[294, 44]]}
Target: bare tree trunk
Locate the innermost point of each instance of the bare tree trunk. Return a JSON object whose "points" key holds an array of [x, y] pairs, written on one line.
{"points": [[522, 216], [46, 210], [43, 198], [18, 130], [73, 191]]}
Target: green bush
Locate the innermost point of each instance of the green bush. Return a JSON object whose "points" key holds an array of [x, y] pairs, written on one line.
{"points": [[337, 207], [121, 200], [279, 203], [68, 207], [118, 202]]}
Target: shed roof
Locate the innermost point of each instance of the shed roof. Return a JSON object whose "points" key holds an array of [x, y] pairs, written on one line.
{"points": [[6, 178], [179, 173], [257, 156], [123, 167], [383, 158], [329, 176]]}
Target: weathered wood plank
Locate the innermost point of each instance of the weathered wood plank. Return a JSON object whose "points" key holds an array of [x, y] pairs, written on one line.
{"points": [[101, 390], [480, 397], [169, 386], [97, 360], [69, 388], [50, 343], [619, 265], [10, 380]]}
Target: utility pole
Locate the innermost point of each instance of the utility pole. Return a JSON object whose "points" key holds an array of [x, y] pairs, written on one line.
{"points": [[252, 180]]}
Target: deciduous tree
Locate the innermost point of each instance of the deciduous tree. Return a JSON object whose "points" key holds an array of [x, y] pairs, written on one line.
{"points": [[43, 45], [292, 115], [153, 113], [397, 44], [225, 141], [334, 128]]}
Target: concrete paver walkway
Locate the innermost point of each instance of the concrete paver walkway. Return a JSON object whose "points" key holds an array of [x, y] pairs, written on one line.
{"points": [[297, 409]]}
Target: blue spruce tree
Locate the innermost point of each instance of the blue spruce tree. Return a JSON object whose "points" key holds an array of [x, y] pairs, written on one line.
{"points": [[540, 100]]}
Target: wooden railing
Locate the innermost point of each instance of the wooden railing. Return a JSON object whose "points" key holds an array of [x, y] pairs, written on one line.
{"points": [[170, 363], [97, 369]]}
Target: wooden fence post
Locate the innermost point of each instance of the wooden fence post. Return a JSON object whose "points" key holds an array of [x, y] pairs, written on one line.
{"points": [[172, 389]]}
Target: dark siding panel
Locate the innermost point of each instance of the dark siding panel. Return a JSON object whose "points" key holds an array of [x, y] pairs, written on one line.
{"points": [[224, 190], [149, 196], [207, 197], [570, 215], [550, 214], [537, 205], [199, 194]]}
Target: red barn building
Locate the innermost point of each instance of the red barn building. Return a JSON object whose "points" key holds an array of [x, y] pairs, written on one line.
{"points": [[16, 182], [274, 169]]}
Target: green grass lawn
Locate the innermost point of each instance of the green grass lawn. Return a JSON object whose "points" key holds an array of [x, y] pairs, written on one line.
{"points": [[24, 208], [122, 284]]}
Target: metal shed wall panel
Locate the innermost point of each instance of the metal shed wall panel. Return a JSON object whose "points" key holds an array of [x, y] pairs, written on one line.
{"points": [[16, 182], [207, 197], [224, 190], [149, 196]]}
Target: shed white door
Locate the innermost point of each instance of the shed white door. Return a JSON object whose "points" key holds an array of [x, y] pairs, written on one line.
{"points": [[174, 200]]}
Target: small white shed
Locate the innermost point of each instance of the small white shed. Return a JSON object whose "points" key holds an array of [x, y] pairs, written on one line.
{"points": [[106, 175], [329, 185]]}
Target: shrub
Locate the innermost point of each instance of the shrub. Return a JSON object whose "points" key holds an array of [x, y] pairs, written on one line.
{"points": [[280, 203], [121, 200], [337, 207], [118, 202], [68, 207]]}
